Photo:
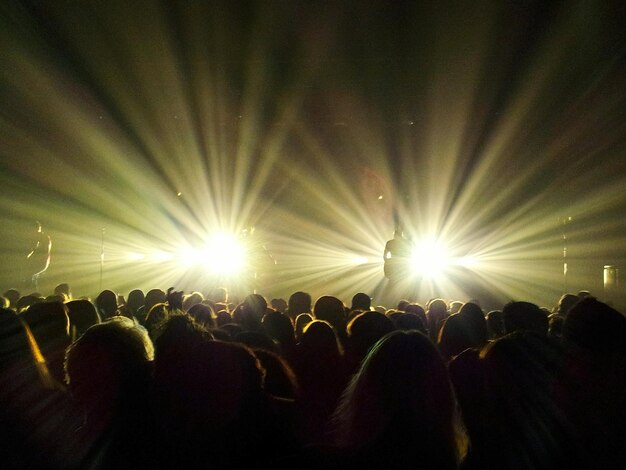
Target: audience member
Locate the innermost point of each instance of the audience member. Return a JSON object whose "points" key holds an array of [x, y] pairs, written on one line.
{"points": [[299, 302], [108, 375], [50, 326], [361, 301], [322, 376], [106, 303], [331, 310], [436, 314], [399, 411], [82, 314], [524, 316]]}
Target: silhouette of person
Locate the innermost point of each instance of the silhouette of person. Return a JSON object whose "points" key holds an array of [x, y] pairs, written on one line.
{"points": [[260, 259], [38, 258], [397, 250]]}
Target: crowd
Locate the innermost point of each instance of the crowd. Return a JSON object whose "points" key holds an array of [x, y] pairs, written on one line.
{"points": [[173, 380]]}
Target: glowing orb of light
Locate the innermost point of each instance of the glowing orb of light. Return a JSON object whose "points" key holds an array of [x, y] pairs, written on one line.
{"points": [[429, 258], [224, 254]]}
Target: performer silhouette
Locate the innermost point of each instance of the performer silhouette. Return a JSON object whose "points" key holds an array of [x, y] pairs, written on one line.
{"points": [[396, 254], [38, 259]]}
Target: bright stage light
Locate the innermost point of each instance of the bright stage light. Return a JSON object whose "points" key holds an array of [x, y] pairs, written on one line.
{"points": [[224, 254], [360, 260], [430, 258]]}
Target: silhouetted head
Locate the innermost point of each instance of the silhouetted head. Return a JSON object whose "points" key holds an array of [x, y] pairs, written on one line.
{"points": [[302, 320], [255, 303], [437, 313], [407, 322], [299, 302], [566, 302], [157, 315], [82, 314], [524, 316], [455, 336], [106, 303], [49, 323], [595, 327], [192, 299], [438, 305], [280, 380], [455, 306], [365, 329], [177, 336], [279, 305], [219, 295], [331, 309], [361, 301], [135, 300], [223, 318], [250, 312], [402, 396], [495, 324], [63, 289], [555, 325], [417, 309], [477, 325], [13, 295], [109, 367], [402, 305], [319, 335], [278, 326], [153, 297], [202, 314], [26, 301]]}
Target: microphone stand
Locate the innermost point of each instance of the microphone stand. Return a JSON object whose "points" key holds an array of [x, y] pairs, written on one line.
{"points": [[102, 259]]}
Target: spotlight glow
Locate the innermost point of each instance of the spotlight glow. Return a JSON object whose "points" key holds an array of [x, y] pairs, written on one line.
{"points": [[161, 256], [467, 261], [224, 254], [430, 258], [135, 256], [187, 256]]}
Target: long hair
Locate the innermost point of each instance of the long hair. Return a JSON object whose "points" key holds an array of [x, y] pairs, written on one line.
{"points": [[402, 395]]}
